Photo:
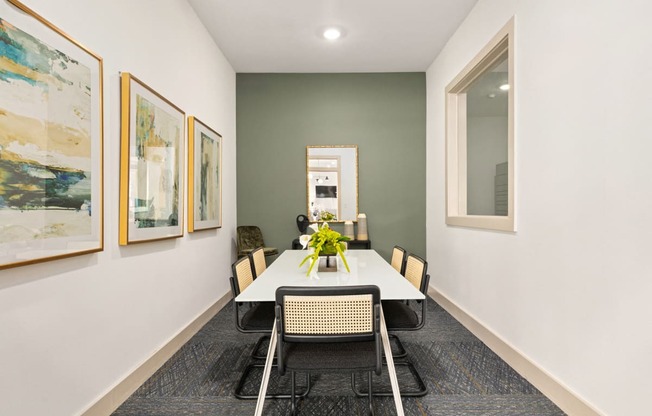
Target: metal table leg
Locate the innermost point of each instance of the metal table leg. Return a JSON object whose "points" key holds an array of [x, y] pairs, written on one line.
{"points": [[268, 369], [390, 365]]}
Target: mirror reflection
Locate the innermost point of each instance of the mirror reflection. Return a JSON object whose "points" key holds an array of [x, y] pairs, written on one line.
{"points": [[487, 124], [332, 183]]}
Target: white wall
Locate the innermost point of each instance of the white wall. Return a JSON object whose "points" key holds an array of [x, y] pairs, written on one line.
{"points": [[71, 329], [571, 288]]}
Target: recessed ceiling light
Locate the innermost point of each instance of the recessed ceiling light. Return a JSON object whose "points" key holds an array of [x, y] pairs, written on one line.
{"points": [[504, 87], [332, 33]]}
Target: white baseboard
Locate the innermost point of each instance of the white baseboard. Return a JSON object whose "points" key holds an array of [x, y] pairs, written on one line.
{"points": [[121, 392], [556, 391]]}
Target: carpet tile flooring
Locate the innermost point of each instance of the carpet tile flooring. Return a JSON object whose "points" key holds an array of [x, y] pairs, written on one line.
{"points": [[463, 377]]}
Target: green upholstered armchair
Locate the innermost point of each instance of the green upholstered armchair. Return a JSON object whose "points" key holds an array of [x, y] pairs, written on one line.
{"points": [[249, 238]]}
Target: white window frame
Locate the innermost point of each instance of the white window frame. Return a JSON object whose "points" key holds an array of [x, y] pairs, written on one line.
{"points": [[456, 140]]}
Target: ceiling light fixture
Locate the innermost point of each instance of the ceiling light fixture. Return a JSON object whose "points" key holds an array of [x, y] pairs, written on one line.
{"points": [[332, 33], [504, 87]]}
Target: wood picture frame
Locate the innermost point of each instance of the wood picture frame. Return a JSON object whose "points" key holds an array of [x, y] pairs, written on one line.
{"points": [[151, 164], [51, 141], [204, 176]]}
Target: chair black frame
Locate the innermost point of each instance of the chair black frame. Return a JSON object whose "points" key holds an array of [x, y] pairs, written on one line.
{"points": [[256, 308], [402, 352], [253, 308], [235, 290], [316, 338], [423, 288]]}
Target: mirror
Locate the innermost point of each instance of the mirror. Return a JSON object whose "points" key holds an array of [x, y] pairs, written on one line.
{"points": [[332, 183]]}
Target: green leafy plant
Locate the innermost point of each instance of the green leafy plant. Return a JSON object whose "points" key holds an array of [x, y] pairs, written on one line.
{"points": [[326, 242]]}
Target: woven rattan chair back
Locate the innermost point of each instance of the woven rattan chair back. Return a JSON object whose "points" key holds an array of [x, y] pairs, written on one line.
{"points": [[258, 261], [313, 318], [331, 315], [398, 259], [415, 271], [243, 273]]}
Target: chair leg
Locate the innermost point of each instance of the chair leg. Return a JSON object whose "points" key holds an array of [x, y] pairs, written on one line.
{"points": [[402, 352], [260, 341], [243, 379], [421, 390], [371, 406], [294, 406]]}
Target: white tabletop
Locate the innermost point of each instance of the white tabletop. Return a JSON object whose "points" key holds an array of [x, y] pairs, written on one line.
{"points": [[367, 268]]}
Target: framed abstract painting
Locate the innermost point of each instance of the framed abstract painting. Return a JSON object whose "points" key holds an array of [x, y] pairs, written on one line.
{"points": [[51, 129], [204, 176], [151, 164]]}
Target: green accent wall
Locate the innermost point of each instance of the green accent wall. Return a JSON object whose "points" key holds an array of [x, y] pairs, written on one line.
{"points": [[278, 115]]}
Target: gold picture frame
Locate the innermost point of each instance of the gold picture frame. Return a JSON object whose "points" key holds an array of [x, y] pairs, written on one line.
{"points": [[151, 164], [204, 177], [51, 141]]}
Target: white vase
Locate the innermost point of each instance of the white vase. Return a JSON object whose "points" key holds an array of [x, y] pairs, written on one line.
{"points": [[348, 230], [362, 227]]}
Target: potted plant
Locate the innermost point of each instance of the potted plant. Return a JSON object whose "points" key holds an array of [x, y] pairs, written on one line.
{"points": [[326, 242]]}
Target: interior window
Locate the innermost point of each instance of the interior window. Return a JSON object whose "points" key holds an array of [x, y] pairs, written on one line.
{"points": [[480, 139]]}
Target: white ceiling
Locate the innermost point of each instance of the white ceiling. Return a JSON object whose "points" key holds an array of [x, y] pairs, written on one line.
{"points": [[285, 35]]}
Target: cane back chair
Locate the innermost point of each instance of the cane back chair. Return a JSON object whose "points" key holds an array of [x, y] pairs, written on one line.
{"points": [[328, 329]]}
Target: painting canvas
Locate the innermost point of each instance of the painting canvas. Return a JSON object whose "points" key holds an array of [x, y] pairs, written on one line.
{"points": [[50, 142], [151, 164], [204, 177]]}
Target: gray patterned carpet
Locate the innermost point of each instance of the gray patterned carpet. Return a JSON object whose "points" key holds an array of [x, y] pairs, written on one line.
{"points": [[463, 377]]}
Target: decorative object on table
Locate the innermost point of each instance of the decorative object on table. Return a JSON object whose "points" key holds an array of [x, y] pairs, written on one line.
{"points": [[151, 164], [204, 177], [327, 264], [325, 242], [302, 223], [51, 128], [362, 227], [348, 229]]}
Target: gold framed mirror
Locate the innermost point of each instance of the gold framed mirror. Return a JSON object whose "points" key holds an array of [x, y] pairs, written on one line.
{"points": [[332, 183]]}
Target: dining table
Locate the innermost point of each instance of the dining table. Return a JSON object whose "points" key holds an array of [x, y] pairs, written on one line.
{"points": [[366, 267]]}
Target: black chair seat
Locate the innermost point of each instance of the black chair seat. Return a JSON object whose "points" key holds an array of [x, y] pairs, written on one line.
{"points": [[398, 314], [259, 317], [341, 356]]}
